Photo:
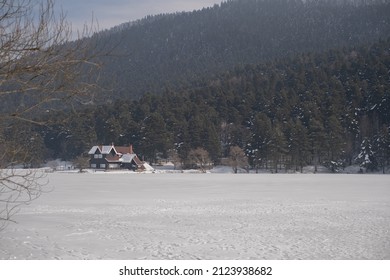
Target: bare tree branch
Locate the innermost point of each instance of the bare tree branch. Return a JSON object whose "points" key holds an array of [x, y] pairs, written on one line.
{"points": [[42, 67]]}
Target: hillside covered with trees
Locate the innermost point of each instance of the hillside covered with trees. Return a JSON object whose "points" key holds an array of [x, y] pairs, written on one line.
{"points": [[329, 108], [176, 50], [268, 84]]}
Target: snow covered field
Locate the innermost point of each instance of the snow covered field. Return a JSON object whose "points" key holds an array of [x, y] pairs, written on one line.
{"points": [[204, 216]]}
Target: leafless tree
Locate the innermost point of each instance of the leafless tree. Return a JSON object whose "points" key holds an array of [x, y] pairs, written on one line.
{"points": [[200, 157], [18, 187], [174, 158], [42, 67], [237, 158], [81, 162]]}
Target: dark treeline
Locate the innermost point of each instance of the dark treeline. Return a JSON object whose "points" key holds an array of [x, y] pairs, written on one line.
{"points": [[331, 109], [176, 50]]}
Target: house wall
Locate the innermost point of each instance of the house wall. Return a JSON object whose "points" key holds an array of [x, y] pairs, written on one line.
{"points": [[98, 161], [130, 166], [113, 166]]}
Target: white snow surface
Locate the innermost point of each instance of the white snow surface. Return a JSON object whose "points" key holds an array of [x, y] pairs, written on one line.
{"points": [[204, 216]]}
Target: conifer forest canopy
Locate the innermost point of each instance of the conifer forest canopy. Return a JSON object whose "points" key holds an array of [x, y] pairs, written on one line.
{"points": [[291, 83]]}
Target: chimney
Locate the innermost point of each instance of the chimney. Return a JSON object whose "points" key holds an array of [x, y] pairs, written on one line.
{"points": [[131, 149]]}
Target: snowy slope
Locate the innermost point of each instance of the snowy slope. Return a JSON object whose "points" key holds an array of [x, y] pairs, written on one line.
{"points": [[204, 216]]}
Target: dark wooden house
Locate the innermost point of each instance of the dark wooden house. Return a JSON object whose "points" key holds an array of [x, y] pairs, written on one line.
{"points": [[112, 157]]}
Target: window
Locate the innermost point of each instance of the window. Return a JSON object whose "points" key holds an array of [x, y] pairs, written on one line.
{"points": [[96, 156], [102, 165], [93, 165]]}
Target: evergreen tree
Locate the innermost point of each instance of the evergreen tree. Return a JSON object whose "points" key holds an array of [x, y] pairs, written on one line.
{"points": [[317, 138], [382, 148], [154, 138], [277, 148], [259, 148], [299, 145], [366, 157]]}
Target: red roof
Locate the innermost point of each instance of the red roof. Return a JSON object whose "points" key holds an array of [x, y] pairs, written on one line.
{"points": [[113, 158], [137, 161], [124, 150]]}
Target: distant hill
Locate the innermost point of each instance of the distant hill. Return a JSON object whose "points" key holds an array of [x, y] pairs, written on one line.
{"points": [[174, 50]]}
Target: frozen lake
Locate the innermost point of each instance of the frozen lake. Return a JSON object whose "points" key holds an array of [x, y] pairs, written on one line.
{"points": [[204, 216]]}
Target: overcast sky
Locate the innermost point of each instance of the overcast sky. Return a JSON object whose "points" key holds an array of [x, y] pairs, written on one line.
{"points": [[109, 13]]}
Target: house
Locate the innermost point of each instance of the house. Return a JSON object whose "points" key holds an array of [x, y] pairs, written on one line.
{"points": [[112, 157]]}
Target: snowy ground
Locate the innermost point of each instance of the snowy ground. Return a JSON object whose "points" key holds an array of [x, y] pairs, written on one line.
{"points": [[204, 216]]}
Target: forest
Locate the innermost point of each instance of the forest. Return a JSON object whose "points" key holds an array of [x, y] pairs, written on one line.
{"points": [[265, 84], [176, 50], [329, 108]]}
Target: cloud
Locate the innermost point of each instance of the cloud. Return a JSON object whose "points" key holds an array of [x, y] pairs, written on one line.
{"points": [[114, 12]]}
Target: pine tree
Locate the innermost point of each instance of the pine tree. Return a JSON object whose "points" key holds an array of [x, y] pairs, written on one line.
{"points": [[298, 144], [154, 138], [317, 141], [382, 148], [277, 148], [258, 148], [366, 157]]}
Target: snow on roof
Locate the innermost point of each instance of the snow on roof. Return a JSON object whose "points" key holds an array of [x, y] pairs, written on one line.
{"points": [[93, 150], [102, 149], [107, 149], [148, 167], [127, 158]]}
